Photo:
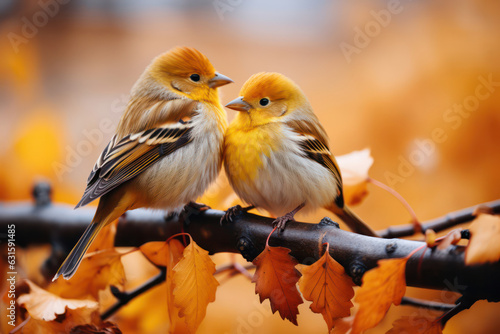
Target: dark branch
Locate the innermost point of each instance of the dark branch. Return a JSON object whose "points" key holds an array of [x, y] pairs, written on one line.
{"points": [[124, 297], [61, 226], [441, 223]]}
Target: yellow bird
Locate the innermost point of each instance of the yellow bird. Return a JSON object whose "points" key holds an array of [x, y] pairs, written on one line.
{"points": [[276, 153], [167, 148]]}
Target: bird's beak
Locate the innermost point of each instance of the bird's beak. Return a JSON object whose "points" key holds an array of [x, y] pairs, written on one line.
{"points": [[238, 104], [219, 80]]}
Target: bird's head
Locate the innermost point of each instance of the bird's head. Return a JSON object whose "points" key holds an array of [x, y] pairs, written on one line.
{"points": [[187, 72], [268, 97]]}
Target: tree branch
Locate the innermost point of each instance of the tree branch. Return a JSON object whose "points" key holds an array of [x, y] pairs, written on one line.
{"points": [[441, 223], [61, 226]]}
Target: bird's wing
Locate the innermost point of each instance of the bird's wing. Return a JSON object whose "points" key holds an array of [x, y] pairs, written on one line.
{"points": [[313, 142], [125, 158]]}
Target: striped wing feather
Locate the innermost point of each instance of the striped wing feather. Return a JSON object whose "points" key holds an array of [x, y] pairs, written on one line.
{"points": [[126, 158]]}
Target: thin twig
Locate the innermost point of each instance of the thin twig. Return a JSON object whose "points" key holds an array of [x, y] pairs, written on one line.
{"points": [[427, 304], [414, 219], [441, 223], [463, 304], [125, 297]]}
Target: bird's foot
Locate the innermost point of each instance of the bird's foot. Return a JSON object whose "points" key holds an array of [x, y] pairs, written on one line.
{"points": [[234, 211], [193, 206], [280, 222]]}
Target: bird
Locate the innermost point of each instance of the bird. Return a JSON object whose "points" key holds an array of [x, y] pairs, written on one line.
{"points": [[276, 154], [167, 148]]}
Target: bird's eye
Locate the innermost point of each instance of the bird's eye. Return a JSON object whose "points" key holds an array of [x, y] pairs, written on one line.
{"points": [[264, 102], [195, 77]]}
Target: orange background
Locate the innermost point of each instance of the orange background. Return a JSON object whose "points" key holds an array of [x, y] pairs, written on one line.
{"points": [[72, 78]]}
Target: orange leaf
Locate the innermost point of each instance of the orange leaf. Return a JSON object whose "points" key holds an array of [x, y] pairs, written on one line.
{"points": [[194, 284], [51, 314], [43, 305], [275, 278], [416, 325], [326, 284], [97, 271], [382, 286], [105, 239], [343, 325], [157, 252], [354, 168], [175, 253], [105, 328], [484, 244]]}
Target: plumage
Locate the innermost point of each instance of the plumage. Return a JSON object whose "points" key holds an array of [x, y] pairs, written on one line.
{"points": [[167, 148], [276, 153]]}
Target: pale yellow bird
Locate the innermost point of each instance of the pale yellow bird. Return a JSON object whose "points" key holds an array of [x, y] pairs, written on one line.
{"points": [[276, 153], [167, 148]]}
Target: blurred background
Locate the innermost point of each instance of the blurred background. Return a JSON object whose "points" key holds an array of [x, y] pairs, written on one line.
{"points": [[418, 82]]}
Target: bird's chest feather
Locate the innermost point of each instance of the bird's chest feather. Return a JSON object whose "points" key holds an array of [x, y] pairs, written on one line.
{"points": [[248, 151]]}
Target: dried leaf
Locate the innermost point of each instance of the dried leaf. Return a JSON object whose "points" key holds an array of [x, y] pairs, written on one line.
{"points": [[62, 324], [194, 284], [97, 272], [175, 254], [451, 238], [105, 328], [343, 325], [382, 286], [484, 244], [105, 239], [51, 314], [326, 284], [275, 278], [416, 325], [157, 252], [43, 305], [354, 167]]}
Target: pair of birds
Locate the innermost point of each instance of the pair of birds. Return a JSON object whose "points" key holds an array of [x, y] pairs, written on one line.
{"points": [[173, 137]]}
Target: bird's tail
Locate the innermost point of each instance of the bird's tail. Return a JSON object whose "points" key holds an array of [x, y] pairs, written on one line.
{"points": [[75, 257], [353, 221]]}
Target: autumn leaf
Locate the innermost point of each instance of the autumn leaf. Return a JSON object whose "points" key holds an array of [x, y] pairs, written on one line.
{"points": [[354, 167], [194, 284], [52, 314], [416, 325], [342, 325], [275, 278], [157, 252], [97, 271], [43, 305], [105, 239], [326, 284], [484, 244], [382, 286], [105, 328], [175, 254]]}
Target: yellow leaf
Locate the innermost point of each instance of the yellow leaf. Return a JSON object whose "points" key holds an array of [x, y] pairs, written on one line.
{"points": [[194, 284], [326, 284], [484, 244], [157, 252], [382, 286], [416, 325], [354, 167], [97, 271], [43, 305]]}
